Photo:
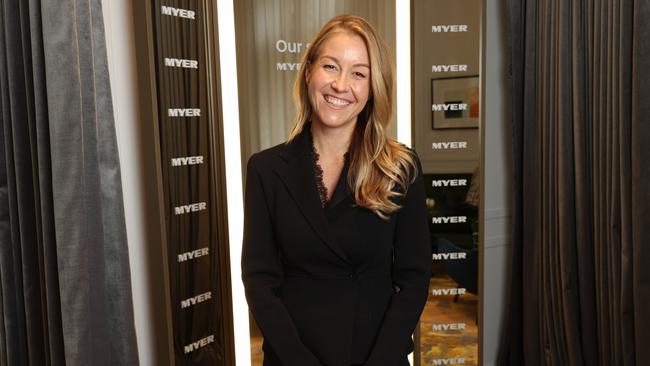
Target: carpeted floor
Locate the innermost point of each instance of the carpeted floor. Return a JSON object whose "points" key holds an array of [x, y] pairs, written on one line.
{"points": [[449, 344]]}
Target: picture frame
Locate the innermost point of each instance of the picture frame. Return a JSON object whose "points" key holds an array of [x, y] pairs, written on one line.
{"points": [[455, 102]]}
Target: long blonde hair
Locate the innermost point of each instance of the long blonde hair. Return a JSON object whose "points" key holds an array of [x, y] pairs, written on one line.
{"points": [[378, 164]]}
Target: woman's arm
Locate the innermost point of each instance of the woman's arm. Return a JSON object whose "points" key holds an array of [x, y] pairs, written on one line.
{"points": [[411, 272], [262, 275]]}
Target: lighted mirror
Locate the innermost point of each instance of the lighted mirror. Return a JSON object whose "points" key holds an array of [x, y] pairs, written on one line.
{"points": [[446, 66]]}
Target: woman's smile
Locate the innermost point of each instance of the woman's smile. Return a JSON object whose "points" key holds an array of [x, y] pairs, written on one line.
{"points": [[337, 102]]}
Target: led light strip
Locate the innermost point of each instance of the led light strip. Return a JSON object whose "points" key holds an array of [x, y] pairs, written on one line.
{"points": [[403, 77], [232, 151], [403, 66]]}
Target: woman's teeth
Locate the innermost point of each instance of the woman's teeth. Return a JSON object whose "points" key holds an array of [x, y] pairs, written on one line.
{"points": [[337, 102]]}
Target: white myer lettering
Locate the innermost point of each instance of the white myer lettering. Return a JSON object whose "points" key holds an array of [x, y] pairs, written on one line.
{"points": [[196, 299], [193, 254], [452, 28], [194, 207], [449, 107], [449, 361], [448, 291], [283, 46], [190, 160], [451, 326], [448, 256], [449, 183], [198, 344], [449, 145], [449, 220], [287, 66], [184, 112], [448, 68], [181, 13], [179, 62]]}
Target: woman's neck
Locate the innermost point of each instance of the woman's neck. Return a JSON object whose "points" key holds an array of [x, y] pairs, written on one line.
{"points": [[332, 142]]}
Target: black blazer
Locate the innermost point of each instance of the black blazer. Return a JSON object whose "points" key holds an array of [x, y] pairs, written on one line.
{"points": [[321, 283]]}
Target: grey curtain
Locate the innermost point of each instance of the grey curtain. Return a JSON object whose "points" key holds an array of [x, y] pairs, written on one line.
{"points": [[581, 131], [65, 294]]}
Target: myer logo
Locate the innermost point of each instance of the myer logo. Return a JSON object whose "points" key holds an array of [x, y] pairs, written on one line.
{"points": [[448, 68], [449, 107], [449, 145], [448, 291], [198, 344], [287, 66], [452, 28], [196, 299], [189, 160], [283, 46], [449, 220], [193, 254], [194, 207], [449, 183], [449, 326], [179, 62], [448, 361], [184, 112], [448, 256], [176, 12]]}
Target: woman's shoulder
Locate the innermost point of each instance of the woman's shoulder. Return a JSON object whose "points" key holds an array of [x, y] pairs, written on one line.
{"points": [[268, 157]]}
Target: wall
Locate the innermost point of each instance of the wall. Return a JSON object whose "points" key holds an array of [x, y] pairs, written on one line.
{"points": [[140, 210], [497, 179]]}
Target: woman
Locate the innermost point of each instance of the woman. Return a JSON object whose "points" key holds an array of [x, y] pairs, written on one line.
{"points": [[336, 256]]}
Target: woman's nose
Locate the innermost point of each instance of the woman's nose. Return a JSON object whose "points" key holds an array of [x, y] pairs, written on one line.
{"points": [[340, 83]]}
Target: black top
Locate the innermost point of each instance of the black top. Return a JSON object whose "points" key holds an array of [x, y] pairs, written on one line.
{"points": [[318, 170]]}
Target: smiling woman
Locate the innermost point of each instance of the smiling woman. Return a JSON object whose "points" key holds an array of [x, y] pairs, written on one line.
{"points": [[336, 254]]}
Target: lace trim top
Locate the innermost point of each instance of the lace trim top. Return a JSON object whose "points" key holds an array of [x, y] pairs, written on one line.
{"points": [[318, 172]]}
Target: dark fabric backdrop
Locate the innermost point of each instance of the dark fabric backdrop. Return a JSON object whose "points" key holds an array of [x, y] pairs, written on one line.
{"points": [[580, 120], [65, 295]]}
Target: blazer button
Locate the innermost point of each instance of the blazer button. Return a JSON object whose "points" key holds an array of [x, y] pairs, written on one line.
{"points": [[352, 275]]}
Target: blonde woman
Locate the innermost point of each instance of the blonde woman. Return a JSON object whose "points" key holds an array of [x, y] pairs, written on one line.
{"points": [[336, 256]]}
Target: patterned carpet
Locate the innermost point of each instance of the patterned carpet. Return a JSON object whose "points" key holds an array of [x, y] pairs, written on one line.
{"points": [[449, 344]]}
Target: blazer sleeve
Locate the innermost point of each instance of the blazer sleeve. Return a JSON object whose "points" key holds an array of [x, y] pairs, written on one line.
{"points": [[411, 273], [262, 275]]}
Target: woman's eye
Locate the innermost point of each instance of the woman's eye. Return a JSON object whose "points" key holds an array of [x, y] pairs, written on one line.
{"points": [[329, 67], [359, 74]]}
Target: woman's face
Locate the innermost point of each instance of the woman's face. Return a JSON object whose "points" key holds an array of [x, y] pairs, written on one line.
{"points": [[338, 81]]}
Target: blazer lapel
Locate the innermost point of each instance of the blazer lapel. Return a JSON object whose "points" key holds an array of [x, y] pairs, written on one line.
{"points": [[298, 176], [342, 192]]}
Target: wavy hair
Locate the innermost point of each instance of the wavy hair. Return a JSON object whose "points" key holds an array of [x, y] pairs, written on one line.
{"points": [[378, 164]]}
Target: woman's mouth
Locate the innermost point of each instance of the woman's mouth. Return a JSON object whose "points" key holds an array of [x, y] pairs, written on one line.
{"points": [[336, 101]]}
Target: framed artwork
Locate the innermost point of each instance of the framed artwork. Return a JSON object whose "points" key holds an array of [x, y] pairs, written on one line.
{"points": [[455, 102]]}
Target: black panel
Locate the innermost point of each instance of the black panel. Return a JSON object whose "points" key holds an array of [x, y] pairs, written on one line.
{"points": [[190, 165]]}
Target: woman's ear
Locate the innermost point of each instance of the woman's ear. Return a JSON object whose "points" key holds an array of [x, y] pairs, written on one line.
{"points": [[307, 72]]}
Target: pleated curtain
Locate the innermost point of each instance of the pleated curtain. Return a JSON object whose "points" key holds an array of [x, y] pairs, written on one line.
{"points": [[65, 294], [580, 288]]}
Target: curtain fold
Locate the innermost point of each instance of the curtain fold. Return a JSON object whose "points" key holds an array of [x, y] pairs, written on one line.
{"points": [[65, 295], [580, 133]]}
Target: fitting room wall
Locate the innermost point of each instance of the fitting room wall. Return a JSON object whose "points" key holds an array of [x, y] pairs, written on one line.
{"points": [[136, 161], [147, 289], [497, 180]]}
